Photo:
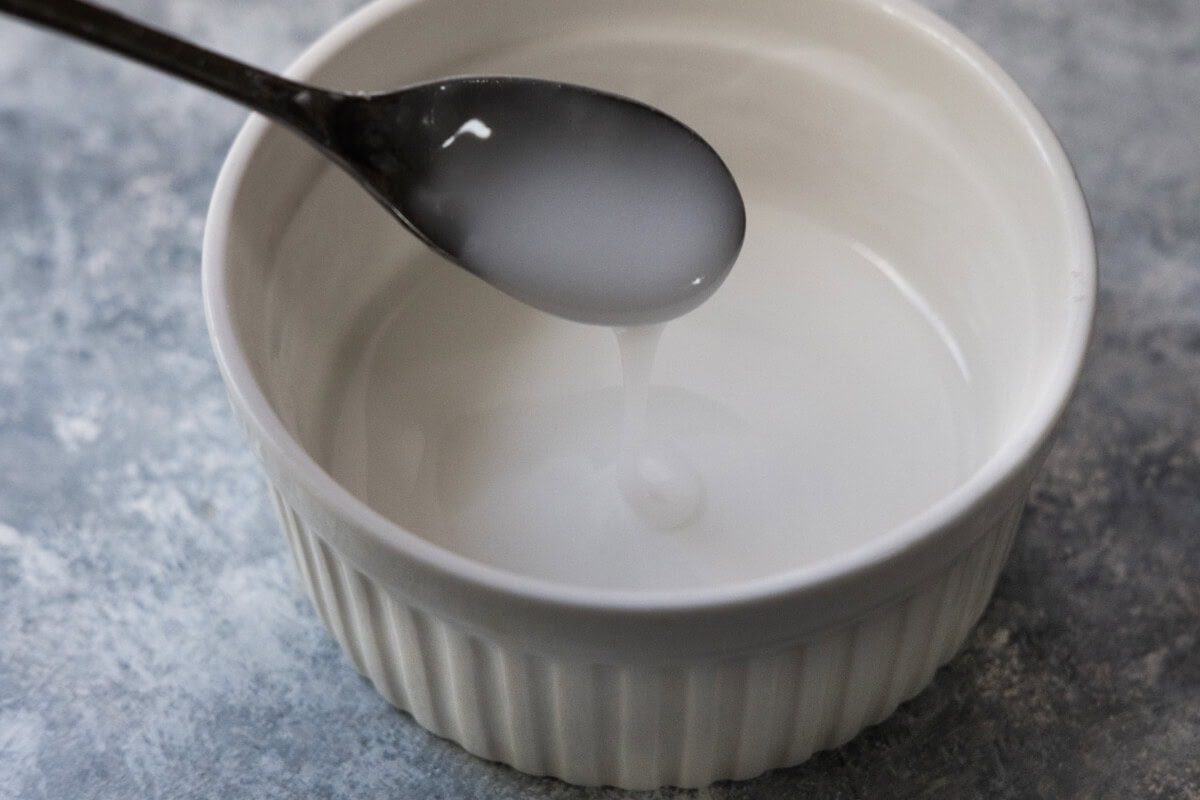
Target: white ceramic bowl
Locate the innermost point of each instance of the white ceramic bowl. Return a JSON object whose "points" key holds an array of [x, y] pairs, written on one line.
{"points": [[909, 316]]}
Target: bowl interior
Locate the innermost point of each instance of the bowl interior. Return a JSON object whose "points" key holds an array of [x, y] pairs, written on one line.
{"points": [[905, 315]]}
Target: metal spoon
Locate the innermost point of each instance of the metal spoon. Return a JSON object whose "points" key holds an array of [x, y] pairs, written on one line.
{"points": [[588, 205]]}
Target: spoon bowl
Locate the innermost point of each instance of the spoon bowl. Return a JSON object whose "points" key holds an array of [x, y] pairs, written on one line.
{"points": [[588, 205], [522, 182]]}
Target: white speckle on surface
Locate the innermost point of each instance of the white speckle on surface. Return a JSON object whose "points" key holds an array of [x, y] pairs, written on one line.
{"points": [[20, 743], [75, 432], [1152, 663], [38, 567], [159, 504]]}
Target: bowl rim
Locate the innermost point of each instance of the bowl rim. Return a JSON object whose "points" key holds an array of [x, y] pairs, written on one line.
{"points": [[1014, 454]]}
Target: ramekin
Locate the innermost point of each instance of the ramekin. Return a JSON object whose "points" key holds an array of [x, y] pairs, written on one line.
{"points": [[642, 689]]}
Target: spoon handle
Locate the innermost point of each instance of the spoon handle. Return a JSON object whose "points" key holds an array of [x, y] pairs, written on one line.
{"points": [[277, 97]]}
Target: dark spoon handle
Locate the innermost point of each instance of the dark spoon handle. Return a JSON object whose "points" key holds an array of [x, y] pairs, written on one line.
{"points": [[277, 97]]}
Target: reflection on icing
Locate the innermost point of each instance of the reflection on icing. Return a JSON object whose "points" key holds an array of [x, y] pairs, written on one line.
{"points": [[922, 306]]}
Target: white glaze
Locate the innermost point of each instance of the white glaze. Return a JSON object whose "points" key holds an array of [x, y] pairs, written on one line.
{"points": [[609, 215], [659, 486], [496, 430]]}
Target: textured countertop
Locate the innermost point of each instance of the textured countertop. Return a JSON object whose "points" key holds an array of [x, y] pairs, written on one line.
{"points": [[155, 643]]}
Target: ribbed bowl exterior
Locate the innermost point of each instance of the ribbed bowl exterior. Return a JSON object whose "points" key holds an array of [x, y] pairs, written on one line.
{"points": [[642, 725]]}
